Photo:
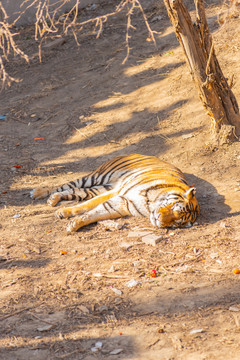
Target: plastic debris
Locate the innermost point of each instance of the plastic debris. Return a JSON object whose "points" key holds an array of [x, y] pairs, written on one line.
{"points": [[97, 347], [17, 166], [63, 252], [2, 117], [118, 292], [16, 216], [196, 331], [132, 283], [97, 274], [154, 273], [38, 138]]}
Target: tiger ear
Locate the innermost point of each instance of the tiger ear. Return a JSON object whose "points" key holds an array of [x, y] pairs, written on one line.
{"points": [[190, 193]]}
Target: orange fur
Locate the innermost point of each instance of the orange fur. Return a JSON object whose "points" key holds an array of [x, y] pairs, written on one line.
{"points": [[136, 185]]}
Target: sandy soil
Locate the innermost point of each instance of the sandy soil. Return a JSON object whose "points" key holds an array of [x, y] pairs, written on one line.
{"points": [[57, 291]]}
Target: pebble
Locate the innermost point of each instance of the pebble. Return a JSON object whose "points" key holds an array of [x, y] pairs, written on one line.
{"points": [[84, 309], [152, 239], [102, 308], [116, 351], [112, 269], [196, 331], [234, 308], [45, 328], [126, 245], [118, 292], [137, 234]]}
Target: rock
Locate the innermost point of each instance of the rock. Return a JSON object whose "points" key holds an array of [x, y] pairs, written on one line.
{"points": [[84, 309], [116, 351], [152, 239], [188, 136], [126, 245], [45, 328], [112, 269], [102, 308], [137, 234], [234, 308]]}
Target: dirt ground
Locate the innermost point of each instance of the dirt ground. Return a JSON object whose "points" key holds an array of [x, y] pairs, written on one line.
{"points": [[67, 296]]}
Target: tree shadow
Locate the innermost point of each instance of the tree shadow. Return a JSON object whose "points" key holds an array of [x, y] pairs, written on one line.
{"points": [[210, 201], [38, 263]]}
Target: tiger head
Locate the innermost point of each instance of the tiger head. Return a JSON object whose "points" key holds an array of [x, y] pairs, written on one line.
{"points": [[175, 209]]}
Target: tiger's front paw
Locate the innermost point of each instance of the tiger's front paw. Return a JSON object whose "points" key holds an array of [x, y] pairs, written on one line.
{"points": [[64, 213], [75, 224], [72, 226]]}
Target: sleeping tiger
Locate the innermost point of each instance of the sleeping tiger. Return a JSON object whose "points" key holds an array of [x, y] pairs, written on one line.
{"points": [[136, 185]]}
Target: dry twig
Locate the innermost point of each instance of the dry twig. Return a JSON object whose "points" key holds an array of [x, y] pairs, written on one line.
{"points": [[51, 20]]}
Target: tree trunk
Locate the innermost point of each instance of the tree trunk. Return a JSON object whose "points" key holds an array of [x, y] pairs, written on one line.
{"points": [[214, 91]]}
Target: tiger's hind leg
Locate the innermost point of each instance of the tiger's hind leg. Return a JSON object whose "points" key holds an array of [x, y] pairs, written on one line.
{"points": [[69, 193], [112, 209], [81, 194]]}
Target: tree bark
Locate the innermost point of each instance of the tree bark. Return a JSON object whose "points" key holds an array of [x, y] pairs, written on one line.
{"points": [[214, 91]]}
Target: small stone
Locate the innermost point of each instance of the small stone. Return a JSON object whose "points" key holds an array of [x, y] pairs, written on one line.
{"points": [[222, 224], [98, 345], [196, 331], [116, 351], [102, 308], [157, 18], [45, 328], [188, 136], [137, 234], [84, 309], [126, 245], [112, 269], [152, 239], [234, 308]]}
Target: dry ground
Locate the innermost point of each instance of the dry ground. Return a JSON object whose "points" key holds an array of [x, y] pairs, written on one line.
{"points": [[87, 107]]}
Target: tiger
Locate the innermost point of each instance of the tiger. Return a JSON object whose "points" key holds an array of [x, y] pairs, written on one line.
{"points": [[127, 185]]}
